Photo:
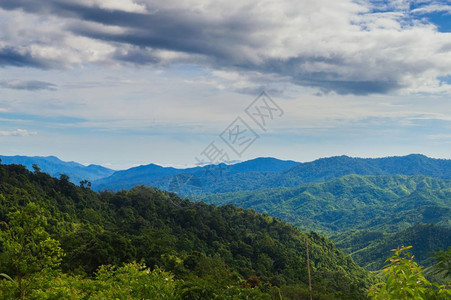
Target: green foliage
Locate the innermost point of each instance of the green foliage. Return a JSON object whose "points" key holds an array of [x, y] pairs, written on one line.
{"points": [[27, 249], [220, 247], [405, 280], [131, 281], [134, 281]]}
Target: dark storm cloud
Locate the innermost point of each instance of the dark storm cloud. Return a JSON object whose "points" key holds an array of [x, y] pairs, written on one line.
{"points": [[136, 56], [30, 85], [174, 30], [10, 56], [355, 87]]}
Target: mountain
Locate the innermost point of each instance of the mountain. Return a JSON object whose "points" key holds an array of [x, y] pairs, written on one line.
{"points": [[207, 179], [328, 168], [126, 179], [263, 164], [211, 250], [374, 202], [262, 173], [55, 167]]}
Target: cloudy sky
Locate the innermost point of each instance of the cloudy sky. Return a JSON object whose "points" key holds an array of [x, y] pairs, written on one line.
{"points": [[128, 82]]}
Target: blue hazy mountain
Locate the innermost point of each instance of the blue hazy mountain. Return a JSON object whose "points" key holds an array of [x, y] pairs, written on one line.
{"points": [[246, 175], [55, 167], [264, 173], [255, 174], [328, 168]]}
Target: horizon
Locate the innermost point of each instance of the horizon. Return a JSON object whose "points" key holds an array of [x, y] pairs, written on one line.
{"points": [[231, 163]]}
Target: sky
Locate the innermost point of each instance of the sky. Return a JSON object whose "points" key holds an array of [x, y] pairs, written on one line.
{"points": [[127, 82]]}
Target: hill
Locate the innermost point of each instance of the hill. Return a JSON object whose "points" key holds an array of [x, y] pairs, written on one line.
{"points": [[386, 202], [209, 249]]}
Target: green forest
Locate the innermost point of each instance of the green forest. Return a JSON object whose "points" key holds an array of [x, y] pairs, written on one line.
{"points": [[65, 233], [365, 215], [62, 241]]}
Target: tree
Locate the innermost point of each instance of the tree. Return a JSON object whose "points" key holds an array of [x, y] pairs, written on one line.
{"points": [[85, 183], [405, 280], [28, 251], [36, 168], [134, 281]]}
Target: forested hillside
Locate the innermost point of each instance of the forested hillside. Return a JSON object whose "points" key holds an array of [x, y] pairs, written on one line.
{"points": [[366, 216], [212, 251], [387, 203]]}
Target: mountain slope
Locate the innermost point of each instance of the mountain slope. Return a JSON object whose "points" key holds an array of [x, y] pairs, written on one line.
{"points": [[216, 245], [207, 179], [55, 167], [385, 202]]}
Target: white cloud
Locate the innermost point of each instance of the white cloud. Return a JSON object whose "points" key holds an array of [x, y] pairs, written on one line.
{"points": [[17, 132], [433, 8], [124, 5]]}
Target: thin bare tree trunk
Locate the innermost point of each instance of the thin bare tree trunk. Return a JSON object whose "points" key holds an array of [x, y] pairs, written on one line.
{"points": [[308, 269]]}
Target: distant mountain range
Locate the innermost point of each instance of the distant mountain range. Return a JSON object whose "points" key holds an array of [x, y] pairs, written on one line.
{"points": [[246, 175], [264, 173], [55, 167], [255, 174]]}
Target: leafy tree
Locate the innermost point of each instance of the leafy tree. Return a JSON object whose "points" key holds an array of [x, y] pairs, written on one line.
{"points": [[28, 251], [36, 168], [85, 183], [64, 178], [405, 280], [134, 281]]}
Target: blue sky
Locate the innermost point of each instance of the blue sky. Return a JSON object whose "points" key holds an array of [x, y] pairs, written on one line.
{"points": [[123, 83]]}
